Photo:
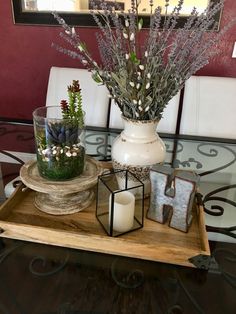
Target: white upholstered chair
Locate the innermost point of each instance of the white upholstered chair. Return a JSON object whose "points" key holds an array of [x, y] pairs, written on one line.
{"points": [[166, 125], [95, 98], [209, 107]]}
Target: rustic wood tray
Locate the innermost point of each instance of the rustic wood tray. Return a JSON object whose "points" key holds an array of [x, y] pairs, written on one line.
{"points": [[20, 219]]}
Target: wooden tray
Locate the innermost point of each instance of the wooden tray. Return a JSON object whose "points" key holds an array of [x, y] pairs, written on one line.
{"points": [[20, 219]]}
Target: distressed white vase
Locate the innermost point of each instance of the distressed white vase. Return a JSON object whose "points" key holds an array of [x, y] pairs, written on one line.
{"points": [[137, 148]]}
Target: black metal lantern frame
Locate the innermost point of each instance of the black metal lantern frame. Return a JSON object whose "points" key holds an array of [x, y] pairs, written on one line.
{"points": [[120, 202]]}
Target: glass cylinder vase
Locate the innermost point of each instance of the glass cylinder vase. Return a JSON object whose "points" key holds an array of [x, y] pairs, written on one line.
{"points": [[59, 142]]}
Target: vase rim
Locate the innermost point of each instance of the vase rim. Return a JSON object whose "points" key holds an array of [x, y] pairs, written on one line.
{"points": [[140, 121], [40, 112], [44, 108]]}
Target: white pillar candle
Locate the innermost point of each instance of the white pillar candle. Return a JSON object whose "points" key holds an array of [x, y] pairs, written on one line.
{"points": [[123, 214]]}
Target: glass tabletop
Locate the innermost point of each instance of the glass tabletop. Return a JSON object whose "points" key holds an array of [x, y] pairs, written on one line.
{"points": [[38, 278]]}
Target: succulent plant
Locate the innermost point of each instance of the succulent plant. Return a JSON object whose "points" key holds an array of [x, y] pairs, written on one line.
{"points": [[73, 108], [66, 133]]}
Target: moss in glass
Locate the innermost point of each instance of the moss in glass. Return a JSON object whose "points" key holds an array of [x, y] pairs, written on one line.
{"points": [[60, 145]]}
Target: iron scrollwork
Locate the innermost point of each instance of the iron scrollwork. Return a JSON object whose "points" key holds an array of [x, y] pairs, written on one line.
{"points": [[42, 262], [215, 151], [218, 210], [100, 144]]}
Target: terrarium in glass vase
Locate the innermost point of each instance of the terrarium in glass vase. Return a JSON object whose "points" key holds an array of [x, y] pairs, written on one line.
{"points": [[59, 137]]}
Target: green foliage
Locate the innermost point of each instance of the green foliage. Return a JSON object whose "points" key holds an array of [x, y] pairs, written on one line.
{"points": [[73, 110], [96, 77], [133, 58]]}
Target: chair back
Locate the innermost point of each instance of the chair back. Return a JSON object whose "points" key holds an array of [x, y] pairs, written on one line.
{"points": [[209, 107], [95, 98]]}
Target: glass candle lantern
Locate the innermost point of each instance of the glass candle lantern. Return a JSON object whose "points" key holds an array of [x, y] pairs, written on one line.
{"points": [[59, 144], [120, 210]]}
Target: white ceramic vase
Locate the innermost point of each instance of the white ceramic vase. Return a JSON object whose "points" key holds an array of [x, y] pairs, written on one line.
{"points": [[137, 148]]}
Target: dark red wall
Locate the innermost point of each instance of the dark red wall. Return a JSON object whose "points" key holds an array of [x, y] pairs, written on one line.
{"points": [[26, 57]]}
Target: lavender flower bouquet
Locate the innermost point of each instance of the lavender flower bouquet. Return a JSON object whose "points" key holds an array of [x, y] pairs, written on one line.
{"points": [[142, 77]]}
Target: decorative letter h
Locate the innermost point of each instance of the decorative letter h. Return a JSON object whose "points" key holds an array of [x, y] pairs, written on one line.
{"points": [[171, 191]]}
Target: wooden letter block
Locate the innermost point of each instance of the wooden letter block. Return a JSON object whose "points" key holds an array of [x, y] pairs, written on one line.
{"points": [[172, 196]]}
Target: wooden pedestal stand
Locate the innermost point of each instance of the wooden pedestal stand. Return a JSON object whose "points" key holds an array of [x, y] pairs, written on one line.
{"points": [[62, 197]]}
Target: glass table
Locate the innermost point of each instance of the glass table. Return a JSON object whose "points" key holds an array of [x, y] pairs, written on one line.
{"points": [[39, 278]]}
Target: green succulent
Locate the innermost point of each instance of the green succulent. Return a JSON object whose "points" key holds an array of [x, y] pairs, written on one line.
{"points": [[73, 109], [63, 133]]}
